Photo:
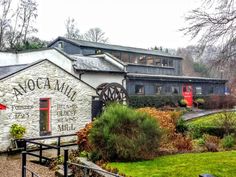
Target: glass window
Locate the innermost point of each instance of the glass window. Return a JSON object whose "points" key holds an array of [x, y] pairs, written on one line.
{"points": [[171, 63], [150, 60], [175, 90], [125, 57], [139, 89], [167, 89], [133, 58], [158, 61], [158, 89], [164, 62], [116, 54], [44, 108], [198, 90], [60, 45], [211, 91], [142, 59]]}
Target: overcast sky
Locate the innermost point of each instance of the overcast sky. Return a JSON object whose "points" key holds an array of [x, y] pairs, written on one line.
{"points": [[137, 23]]}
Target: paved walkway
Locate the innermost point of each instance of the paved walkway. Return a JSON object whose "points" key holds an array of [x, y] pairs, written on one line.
{"points": [[199, 113]]}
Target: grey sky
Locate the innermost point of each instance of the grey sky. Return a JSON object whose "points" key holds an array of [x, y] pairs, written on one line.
{"points": [[138, 23]]}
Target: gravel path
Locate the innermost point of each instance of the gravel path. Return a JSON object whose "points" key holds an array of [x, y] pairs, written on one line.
{"points": [[11, 167]]}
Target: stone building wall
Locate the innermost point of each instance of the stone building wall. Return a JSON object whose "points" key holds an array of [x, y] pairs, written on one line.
{"points": [[70, 101]]}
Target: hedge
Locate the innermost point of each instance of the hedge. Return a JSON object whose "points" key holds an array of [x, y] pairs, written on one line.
{"points": [[154, 101], [197, 132], [217, 101]]}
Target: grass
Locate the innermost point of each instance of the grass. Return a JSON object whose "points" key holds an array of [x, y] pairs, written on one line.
{"points": [[206, 121], [219, 164]]}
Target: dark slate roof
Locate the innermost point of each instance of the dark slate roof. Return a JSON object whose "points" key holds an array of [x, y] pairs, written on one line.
{"points": [[175, 78], [114, 47], [94, 64], [6, 70]]}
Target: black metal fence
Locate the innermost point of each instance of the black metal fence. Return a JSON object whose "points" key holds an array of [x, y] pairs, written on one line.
{"points": [[41, 147]]}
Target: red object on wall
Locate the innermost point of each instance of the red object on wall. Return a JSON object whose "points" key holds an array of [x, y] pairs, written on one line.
{"points": [[3, 107], [188, 94]]}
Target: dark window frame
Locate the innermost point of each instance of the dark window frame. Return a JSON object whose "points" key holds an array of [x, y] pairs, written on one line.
{"points": [[142, 88]]}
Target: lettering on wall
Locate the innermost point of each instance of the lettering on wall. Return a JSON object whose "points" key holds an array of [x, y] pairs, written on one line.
{"points": [[21, 111], [66, 116], [44, 83]]}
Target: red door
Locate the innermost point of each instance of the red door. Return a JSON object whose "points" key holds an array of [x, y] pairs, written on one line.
{"points": [[187, 91]]}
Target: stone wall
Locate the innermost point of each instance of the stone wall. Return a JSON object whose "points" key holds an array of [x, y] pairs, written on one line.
{"points": [[70, 101]]}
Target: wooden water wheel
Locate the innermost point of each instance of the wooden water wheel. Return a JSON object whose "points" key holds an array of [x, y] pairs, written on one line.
{"points": [[111, 92]]}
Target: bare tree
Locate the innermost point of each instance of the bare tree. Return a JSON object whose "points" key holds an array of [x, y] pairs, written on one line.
{"points": [[95, 35], [72, 32], [4, 20], [16, 24], [214, 23]]}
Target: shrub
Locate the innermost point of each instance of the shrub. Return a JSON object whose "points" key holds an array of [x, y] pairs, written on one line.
{"points": [[228, 141], [211, 142], [182, 143], [181, 126], [82, 135], [17, 131], [218, 101], [183, 102], [121, 133], [171, 141], [200, 101], [154, 101], [227, 121]]}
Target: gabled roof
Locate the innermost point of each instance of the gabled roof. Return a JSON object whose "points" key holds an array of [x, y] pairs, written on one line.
{"points": [[94, 64], [13, 72], [113, 47], [5, 70]]}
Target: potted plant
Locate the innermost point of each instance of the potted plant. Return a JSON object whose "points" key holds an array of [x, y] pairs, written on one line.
{"points": [[199, 102], [17, 132], [183, 103]]}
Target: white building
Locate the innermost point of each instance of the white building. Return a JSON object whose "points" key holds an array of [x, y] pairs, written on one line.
{"points": [[49, 92]]}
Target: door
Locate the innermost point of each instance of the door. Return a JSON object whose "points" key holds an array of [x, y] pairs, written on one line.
{"points": [[187, 92]]}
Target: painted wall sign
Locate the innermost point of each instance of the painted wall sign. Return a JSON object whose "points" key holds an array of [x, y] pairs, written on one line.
{"points": [[3, 107], [44, 83]]}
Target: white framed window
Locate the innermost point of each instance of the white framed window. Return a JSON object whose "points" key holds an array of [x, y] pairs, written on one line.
{"points": [[198, 90], [139, 89]]}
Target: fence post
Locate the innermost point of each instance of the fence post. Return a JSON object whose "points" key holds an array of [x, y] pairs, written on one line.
{"points": [[65, 162], [59, 146], [23, 163], [25, 145], [40, 153]]}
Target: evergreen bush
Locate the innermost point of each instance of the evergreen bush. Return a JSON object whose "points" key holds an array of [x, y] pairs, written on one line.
{"points": [[121, 133], [228, 141]]}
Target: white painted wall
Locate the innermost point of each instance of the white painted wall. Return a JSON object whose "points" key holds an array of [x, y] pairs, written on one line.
{"points": [[28, 114], [33, 56], [95, 79]]}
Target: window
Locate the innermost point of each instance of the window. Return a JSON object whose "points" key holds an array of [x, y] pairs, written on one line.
{"points": [[198, 90], [60, 45], [167, 89], [139, 89], [175, 90], [211, 91], [44, 109], [171, 63], [158, 89], [158, 61], [125, 57], [164, 62]]}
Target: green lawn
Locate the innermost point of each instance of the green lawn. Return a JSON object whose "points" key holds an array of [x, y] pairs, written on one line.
{"points": [[206, 121], [220, 164]]}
